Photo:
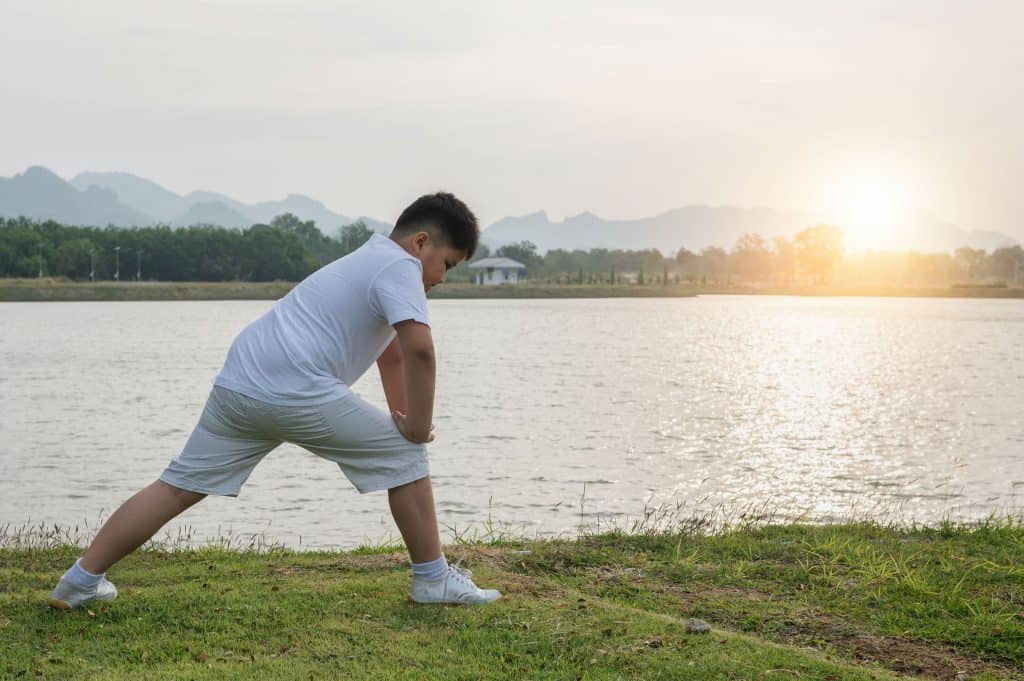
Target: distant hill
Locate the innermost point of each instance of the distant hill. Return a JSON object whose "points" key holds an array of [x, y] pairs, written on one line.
{"points": [[39, 194], [697, 227], [213, 213], [694, 227], [302, 206], [144, 195], [167, 207], [927, 232]]}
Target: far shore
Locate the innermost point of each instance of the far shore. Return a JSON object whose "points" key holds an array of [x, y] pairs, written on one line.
{"points": [[32, 290]]}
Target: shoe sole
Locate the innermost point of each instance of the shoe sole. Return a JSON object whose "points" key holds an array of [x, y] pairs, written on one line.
{"points": [[59, 604], [413, 600]]}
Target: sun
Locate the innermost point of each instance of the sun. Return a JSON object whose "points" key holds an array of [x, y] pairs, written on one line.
{"points": [[871, 211]]}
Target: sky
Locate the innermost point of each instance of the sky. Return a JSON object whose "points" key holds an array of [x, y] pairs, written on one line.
{"points": [[846, 110]]}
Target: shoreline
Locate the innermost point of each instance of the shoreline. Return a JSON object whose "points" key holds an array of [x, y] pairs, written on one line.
{"points": [[33, 290]]}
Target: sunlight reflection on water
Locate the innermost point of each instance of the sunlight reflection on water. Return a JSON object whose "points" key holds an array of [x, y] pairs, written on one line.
{"points": [[810, 406]]}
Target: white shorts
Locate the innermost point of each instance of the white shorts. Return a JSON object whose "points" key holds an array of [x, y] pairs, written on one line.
{"points": [[236, 431]]}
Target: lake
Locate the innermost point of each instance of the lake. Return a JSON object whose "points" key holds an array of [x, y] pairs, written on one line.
{"points": [[551, 413]]}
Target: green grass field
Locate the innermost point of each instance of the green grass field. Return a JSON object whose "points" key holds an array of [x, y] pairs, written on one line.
{"points": [[839, 602]]}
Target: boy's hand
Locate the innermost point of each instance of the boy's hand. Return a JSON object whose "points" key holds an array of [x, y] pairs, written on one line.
{"points": [[400, 421]]}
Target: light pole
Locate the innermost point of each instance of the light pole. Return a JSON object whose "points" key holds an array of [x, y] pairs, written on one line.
{"points": [[138, 274], [117, 263], [39, 248]]}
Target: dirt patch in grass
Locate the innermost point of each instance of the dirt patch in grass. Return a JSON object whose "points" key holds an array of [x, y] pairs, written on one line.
{"points": [[717, 593], [902, 655], [379, 561]]}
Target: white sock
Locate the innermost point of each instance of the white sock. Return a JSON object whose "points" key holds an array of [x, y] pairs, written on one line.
{"points": [[434, 569], [79, 576]]}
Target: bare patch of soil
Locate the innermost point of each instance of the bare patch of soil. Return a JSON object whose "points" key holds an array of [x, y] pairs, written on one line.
{"points": [[904, 655]]}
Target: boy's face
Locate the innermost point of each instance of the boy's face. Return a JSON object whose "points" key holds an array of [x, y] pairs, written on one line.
{"points": [[437, 258]]}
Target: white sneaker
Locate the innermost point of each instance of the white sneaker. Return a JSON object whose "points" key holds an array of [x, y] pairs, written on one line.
{"points": [[455, 587], [67, 595]]}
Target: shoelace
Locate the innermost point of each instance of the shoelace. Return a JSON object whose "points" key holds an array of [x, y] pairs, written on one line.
{"points": [[461, 573]]}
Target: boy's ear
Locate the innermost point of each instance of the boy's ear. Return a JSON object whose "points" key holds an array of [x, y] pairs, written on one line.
{"points": [[420, 239]]}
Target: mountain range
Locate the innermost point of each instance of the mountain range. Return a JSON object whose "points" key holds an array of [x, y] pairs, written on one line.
{"points": [[697, 227], [126, 200]]}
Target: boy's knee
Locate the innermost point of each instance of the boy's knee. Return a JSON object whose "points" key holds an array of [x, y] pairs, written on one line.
{"points": [[186, 496], [420, 482]]}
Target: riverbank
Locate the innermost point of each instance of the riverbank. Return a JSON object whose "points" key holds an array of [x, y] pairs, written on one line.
{"points": [[33, 290], [855, 601], [27, 290]]}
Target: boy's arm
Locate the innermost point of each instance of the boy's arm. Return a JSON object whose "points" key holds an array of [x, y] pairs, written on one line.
{"points": [[416, 346], [392, 376]]}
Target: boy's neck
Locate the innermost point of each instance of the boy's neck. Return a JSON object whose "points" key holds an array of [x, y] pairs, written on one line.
{"points": [[403, 242]]}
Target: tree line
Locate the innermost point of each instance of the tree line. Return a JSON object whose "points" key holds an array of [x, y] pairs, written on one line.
{"points": [[289, 249], [814, 256]]}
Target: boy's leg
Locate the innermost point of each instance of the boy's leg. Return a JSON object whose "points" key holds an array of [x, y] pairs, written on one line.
{"points": [[412, 506], [224, 447], [135, 522], [365, 442]]}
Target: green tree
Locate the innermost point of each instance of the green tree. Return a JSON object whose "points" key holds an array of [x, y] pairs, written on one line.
{"points": [[1008, 263], [970, 259], [751, 258], [319, 248], [784, 259], [525, 252], [688, 263], [353, 236], [272, 254], [73, 258], [714, 264], [819, 249]]}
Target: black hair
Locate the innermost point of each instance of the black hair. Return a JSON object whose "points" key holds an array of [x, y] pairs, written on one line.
{"points": [[444, 214]]}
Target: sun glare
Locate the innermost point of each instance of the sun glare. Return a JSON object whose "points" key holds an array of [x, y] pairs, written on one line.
{"points": [[871, 212]]}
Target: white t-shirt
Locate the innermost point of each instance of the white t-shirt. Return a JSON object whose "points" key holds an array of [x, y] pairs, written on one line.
{"points": [[321, 337]]}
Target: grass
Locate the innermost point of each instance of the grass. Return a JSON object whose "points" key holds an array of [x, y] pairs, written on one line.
{"points": [[543, 290], [38, 290], [856, 600], [26, 290], [32, 290]]}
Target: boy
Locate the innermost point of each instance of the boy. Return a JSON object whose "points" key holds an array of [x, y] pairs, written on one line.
{"points": [[286, 379]]}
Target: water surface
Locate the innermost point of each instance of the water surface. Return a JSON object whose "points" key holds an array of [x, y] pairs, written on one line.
{"points": [[813, 407]]}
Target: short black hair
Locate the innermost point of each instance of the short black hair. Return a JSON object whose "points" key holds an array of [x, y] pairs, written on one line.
{"points": [[447, 215]]}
